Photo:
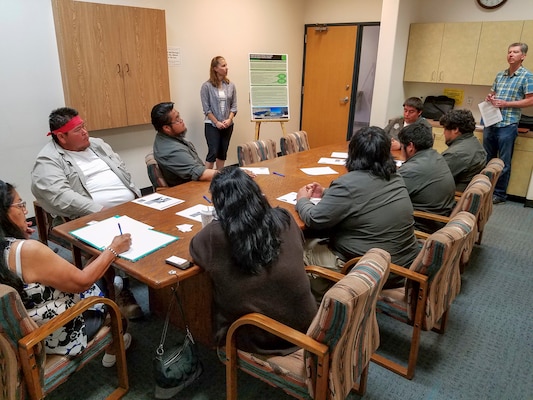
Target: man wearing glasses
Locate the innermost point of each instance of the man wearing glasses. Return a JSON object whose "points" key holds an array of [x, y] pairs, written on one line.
{"points": [[177, 158], [76, 175]]}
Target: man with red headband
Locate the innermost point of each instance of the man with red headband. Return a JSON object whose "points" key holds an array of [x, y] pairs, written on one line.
{"points": [[76, 175]]}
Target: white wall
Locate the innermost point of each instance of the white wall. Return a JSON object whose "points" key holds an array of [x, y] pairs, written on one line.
{"points": [[31, 87]]}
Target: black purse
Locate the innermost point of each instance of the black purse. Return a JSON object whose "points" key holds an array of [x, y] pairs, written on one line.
{"points": [[178, 367]]}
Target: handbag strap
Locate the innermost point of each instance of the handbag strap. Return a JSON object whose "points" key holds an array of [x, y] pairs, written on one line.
{"points": [[160, 350]]}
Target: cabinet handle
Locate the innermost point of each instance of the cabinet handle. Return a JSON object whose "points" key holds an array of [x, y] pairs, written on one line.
{"points": [[440, 76], [433, 75], [118, 68], [127, 68]]}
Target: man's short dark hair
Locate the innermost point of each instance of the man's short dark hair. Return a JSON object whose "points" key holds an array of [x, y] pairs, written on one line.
{"points": [[59, 117], [419, 134], [414, 102], [459, 118], [161, 115]]}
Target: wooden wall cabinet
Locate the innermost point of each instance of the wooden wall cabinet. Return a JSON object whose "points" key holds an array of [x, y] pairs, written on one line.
{"points": [[469, 53], [113, 61], [492, 52], [442, 53]]}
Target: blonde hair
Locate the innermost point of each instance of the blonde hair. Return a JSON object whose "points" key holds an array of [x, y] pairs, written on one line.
{"points": [[215, 61]]}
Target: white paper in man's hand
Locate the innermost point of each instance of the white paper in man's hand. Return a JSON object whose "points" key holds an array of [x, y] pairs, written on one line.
{"points": [[490, 114]]}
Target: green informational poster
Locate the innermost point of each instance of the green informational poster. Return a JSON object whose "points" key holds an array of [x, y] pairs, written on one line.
{"points": [[269, 87]]}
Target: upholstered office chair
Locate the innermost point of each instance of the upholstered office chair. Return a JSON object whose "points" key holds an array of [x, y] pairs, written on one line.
{"points": [[492, 170], [45, 222], [473, 200], [154, 172], [294, 142], [258, 150], [336, 349], [432, 282], [25, 370]]}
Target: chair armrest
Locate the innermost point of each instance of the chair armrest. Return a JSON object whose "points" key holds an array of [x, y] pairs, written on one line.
{"points": [[433, 217], [348, 265], [281, 330], [407, 273], [43, 331], [324, 272], [422, 235]]}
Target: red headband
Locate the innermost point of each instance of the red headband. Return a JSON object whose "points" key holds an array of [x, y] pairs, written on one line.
{"points": [[74, 122]]}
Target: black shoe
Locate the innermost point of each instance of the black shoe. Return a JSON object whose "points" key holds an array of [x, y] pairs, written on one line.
{"points": [[497, 200]]}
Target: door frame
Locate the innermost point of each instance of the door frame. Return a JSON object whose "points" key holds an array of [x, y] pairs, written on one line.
{"points": [[355, 76]]}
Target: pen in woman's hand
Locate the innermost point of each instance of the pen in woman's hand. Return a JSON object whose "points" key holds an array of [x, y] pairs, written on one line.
{"points": [[119, 228]]}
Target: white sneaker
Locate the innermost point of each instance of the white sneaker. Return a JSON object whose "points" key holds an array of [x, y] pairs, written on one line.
{"points": [[110, 359], [119, 284]]}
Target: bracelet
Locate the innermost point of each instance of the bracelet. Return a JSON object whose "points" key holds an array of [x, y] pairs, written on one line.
{"points": [[112, 251]]}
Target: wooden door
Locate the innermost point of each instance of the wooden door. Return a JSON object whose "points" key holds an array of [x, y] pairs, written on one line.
{"points": [[89, 51], [423, 52], [144, 60], [328, 76], [492, 51]]}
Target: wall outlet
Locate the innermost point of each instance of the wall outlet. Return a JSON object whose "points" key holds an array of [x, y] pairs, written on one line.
{"points": [[469, 101]]}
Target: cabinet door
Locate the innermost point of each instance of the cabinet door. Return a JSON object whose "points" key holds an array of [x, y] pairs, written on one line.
{"points": [[527, 37], [521, 166], [492, 51], [144, 59], [88, 46], [423, 52], [458, 53]]}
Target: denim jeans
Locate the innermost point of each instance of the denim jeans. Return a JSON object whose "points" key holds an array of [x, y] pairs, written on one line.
{"points": [[499, 142]]}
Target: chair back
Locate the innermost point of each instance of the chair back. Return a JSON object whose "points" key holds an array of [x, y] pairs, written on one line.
{"points": [[346, 322], [492, 170], [15, 323], [473, 200], [439, 260], [154, 172], [256, 151], [294, 143]]}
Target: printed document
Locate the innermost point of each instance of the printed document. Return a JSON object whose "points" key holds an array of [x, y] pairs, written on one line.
{"points": [[489, 114]]}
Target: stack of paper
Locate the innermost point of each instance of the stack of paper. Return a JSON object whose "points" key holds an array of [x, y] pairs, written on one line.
{"points": [[158, 201], [144, 239]]}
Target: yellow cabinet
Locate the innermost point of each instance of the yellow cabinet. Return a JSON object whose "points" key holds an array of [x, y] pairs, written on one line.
{"points": [[442, 53], [496, 36], [113, 61], [521, 166]]}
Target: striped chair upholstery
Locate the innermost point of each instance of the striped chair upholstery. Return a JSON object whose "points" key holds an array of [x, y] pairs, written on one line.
{"points": [[24, 366], [426, 298], [154, 172], [492, 170], [473, 200], [256, 151], [294, 142], [337, 346]]}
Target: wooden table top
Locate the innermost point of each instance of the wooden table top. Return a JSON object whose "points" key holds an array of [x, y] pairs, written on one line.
{"points": [[152, 269]]}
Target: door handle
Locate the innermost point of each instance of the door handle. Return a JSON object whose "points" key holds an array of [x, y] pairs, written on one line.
{"points": [[345, 100]]}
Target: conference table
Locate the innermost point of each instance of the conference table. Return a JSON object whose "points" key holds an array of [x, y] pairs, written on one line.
{"points": [[285, 176]]}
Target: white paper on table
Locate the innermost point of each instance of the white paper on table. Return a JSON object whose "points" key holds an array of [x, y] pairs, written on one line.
{"points": [[338, 154], [144, 239], [258, 170], [490, 114], [158, 201], [319, 171], [332, 161], [193, 212], [291, 198]]}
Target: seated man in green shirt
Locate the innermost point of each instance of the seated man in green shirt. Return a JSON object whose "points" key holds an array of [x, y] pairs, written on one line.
{"points": [[465, 154]]}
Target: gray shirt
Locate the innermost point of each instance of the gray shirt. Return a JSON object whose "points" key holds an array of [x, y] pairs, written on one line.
{"points": [[177, 158], [465, 157], [429, 182], [360, 211], [59, 185]]}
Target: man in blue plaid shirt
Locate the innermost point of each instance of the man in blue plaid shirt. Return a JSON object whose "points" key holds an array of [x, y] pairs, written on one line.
{"points": [[511, 91]]}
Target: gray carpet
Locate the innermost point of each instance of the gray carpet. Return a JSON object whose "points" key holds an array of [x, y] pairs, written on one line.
{"points": [[486, 352]]}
